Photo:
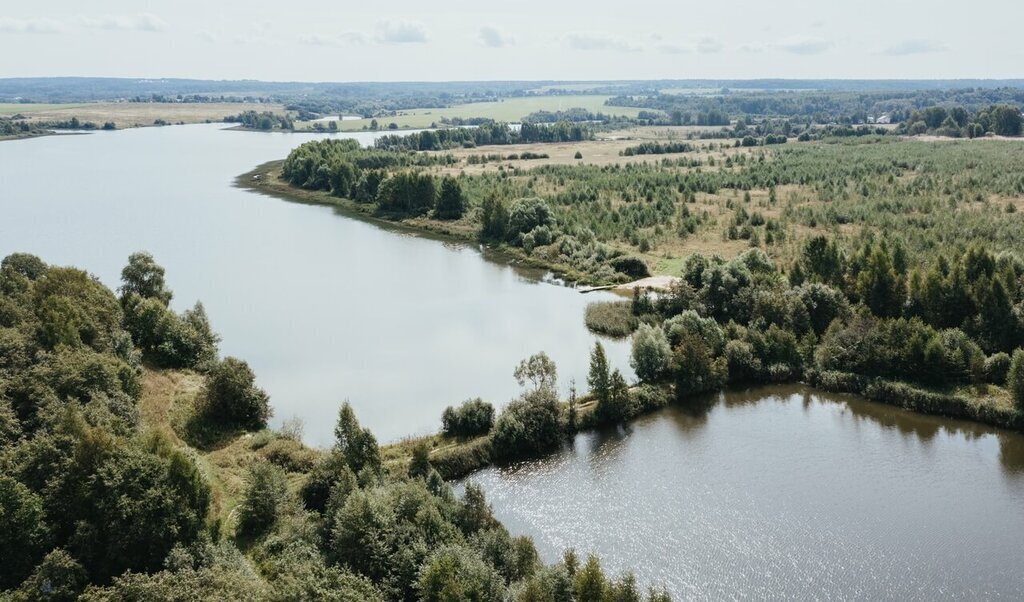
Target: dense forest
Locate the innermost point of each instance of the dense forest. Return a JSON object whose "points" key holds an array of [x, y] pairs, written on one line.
{"points": [[814, 106], [107, 495]]}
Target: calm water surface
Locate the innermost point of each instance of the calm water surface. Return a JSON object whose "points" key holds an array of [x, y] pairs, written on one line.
{"points": [[784, 492], [323, 307]]}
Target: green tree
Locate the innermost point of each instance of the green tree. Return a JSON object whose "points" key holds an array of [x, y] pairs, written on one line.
{"points": [[456, 573], [599, 378], [25, 264], [651, 353], [695, 367], [880, 287], [1015, 378], [232, 398], [144, 277], [23, 531], [451, 202], [419, 465], [262, 500], [493, 220], [356, 444], [538, 370], [58, 578], [589, 581]]}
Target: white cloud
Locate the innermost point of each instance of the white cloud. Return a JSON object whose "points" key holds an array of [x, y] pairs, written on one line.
{"points": [[598, 41], [345, 38], [708, 45], [806, 46], [39, 25], [908, 47], [489, 36], [674, 49], [700, 45], [400, 33], [140, 22]]}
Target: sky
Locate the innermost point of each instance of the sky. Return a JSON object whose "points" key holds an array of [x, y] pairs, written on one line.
{"points": [[419, 40]]}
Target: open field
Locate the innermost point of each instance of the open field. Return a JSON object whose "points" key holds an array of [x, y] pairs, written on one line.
{"points": [[134, 114], [507, 109]]}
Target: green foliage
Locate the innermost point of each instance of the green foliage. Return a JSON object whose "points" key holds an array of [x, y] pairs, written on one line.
{"points": [[695, 368], [451, 202], [1015, 379], [493, 220], [419, 465], [356, 444], [23, 531], [145, 278], [537, 370], [24, 264], [650, 354], [474, 417], [262, 501], [407, 193], [58, 578], [455, 573], [528, 426], [231, 398], [525, 215]]}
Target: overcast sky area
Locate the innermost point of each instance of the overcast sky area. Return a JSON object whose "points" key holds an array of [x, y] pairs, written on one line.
{"points": [[332, 40]]}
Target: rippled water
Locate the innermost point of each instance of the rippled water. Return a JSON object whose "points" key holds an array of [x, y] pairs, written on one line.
{"points": [[324, 307], [784, 492]]}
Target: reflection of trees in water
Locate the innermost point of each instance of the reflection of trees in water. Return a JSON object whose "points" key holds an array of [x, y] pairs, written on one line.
{"points": [[602, 447], [692, 415], [1011, 453]]}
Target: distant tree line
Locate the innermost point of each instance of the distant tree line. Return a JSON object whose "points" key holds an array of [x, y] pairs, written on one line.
{"points": [[265, 120]]}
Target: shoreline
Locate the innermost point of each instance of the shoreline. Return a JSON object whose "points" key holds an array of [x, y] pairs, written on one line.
{"points": [[264, 179]]}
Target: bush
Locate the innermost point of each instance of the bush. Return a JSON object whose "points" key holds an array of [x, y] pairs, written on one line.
{"points": [[528, 426], [612, 318], [997, 367], [290, 455], [634, 267], [651, 353], [458, 573], [232, 398], [1015, 379], [265, 494], [474, 417], [459, 461], [526, 214]]}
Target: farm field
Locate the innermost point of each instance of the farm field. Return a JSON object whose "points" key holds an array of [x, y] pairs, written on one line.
{"points": [[507, 109], [134, 114]]}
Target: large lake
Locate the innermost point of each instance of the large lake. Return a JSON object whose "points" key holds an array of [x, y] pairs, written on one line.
{"points": [[784, 493], [324, 307], [778, 492]]}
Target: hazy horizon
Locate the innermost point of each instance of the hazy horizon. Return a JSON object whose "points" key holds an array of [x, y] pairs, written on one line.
{"points": [[317, 41]]}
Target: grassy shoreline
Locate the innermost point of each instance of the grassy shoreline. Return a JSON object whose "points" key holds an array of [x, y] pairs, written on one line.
{"points": [[265, 179]]}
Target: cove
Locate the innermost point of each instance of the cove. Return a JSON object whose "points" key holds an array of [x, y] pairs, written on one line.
{"points": [[323, 307]]}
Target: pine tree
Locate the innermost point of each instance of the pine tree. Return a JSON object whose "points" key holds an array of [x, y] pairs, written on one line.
{"points": [[599, 379]]}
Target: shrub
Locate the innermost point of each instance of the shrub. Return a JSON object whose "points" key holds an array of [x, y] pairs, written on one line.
{"points": [[232, 398], [528, 426], [474, 417], [459, 461], [458, 573], [265, 494], [997, 367], [651, 353], [526, 214], [634, 267], [1015, 378]]}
